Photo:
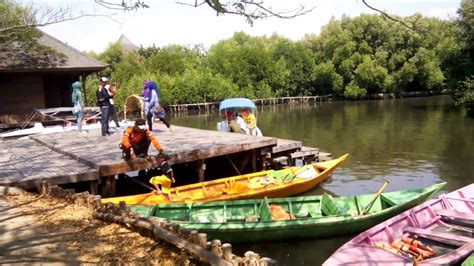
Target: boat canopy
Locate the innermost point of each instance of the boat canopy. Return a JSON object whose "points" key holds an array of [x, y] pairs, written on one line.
{"points": [[236, 103]]}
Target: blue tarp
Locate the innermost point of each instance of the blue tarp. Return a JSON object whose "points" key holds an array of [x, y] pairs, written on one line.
{"points": [[236, 103]]}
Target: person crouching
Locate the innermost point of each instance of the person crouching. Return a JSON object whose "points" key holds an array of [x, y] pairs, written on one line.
{"points": [[137, 139]]}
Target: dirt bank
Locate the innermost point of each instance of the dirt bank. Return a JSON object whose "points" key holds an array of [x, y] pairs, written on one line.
{"points": [[42, 229]]}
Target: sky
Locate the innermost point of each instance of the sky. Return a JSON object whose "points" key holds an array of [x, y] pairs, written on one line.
{"points": [[168, 22]]}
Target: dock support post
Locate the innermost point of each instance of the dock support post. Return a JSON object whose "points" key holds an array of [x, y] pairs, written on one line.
{"points": [[94, 187], [254, 160], [201, 168], [108, 186]]}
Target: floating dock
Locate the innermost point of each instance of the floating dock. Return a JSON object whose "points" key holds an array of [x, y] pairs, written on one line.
{"points": [[69, 157]]}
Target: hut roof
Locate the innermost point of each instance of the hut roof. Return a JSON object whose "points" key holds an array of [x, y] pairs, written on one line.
{"points": [[126, 44], [74, 60]]}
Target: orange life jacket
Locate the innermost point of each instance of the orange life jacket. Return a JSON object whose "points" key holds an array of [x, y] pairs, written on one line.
{"points": [[131, 137], [280, 214], [418, 247]]}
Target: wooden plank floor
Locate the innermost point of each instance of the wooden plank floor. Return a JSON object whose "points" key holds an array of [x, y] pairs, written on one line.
{"points": [[183, 144], [69, 157], [285, 145], [24, 161]]}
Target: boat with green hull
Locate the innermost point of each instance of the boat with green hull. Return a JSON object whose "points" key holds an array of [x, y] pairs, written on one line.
{"points": [[289, 218]]}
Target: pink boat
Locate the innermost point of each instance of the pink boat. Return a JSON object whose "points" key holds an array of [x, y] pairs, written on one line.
{"points": [[443, 225]]}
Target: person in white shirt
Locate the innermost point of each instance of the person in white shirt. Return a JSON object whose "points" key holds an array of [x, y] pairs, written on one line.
{"points": [[111, 91], [242, 124]]}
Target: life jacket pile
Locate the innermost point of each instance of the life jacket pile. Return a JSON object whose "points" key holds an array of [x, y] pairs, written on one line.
{"points": [[409, 248]]}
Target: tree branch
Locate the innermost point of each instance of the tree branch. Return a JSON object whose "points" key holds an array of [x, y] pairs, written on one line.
{"points": [[50, 22], [250, 9], [387, 15], [129, 5]]}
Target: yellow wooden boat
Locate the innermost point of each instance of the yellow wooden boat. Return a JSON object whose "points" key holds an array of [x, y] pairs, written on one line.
{"points": [[269, 183]]}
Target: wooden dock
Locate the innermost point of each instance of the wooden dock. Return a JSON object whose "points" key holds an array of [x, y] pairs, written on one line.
{"points": [[65, 158], [22, 162]]}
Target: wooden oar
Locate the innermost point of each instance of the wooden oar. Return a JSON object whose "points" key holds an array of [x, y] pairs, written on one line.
{"points": [[140, 183], [233, 165], [367, 208]]}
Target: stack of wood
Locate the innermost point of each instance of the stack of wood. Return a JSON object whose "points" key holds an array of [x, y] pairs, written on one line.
{"points": [[193, 242]]}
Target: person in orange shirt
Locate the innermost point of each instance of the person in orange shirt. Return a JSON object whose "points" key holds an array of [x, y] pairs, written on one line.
{"points": [[137, 139]]}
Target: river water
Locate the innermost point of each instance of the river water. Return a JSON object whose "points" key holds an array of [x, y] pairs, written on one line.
{"points": [[413, 142]]}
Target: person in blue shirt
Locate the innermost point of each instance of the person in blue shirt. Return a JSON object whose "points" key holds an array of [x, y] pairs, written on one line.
{"points": [[154, 109]]}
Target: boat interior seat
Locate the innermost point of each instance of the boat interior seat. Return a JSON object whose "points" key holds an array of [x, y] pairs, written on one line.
{"points": [[457, 215], [303, 214], [442, 237], [234, 189], [388, 201], [237, 218], [264, 211], [329, 206], [280, 177]]}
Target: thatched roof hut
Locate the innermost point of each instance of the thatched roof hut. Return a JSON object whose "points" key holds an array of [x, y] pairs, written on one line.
{"points": [[34, 79], [126, 44]]}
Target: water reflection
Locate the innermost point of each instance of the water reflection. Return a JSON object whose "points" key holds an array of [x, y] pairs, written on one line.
{"points": [[413, 142]]}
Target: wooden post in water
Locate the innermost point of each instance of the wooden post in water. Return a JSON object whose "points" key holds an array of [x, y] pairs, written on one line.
{"points": [[216, 247], [227, 251], [254, 160], [201, 168], [108, 186], [94, 187], [202, 239]]}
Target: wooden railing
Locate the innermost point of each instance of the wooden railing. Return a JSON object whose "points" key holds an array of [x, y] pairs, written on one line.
{"points": [[258, 102]]}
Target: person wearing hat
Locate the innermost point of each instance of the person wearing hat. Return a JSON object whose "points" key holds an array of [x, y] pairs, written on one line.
{"points": [[103, 99], [137, 139]]}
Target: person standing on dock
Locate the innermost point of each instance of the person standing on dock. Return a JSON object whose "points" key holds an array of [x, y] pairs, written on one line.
{"points": [[137, 139], [154, 108], [145, 96], [103, 98], [78, 102], [111, 89]]}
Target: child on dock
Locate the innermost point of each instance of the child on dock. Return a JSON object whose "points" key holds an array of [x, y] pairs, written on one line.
{"points": [[78, 102]]}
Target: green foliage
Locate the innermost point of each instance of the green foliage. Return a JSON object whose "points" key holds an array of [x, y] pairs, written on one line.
{"points": [[351, 58], [249, 63], [199, 85], [463, 95], [173, 59], [112, 55], [371, 76], [373, 55], [126, 69], [326, 79], [19, 46], [460, 63], [354, 92], [295, 64]]}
